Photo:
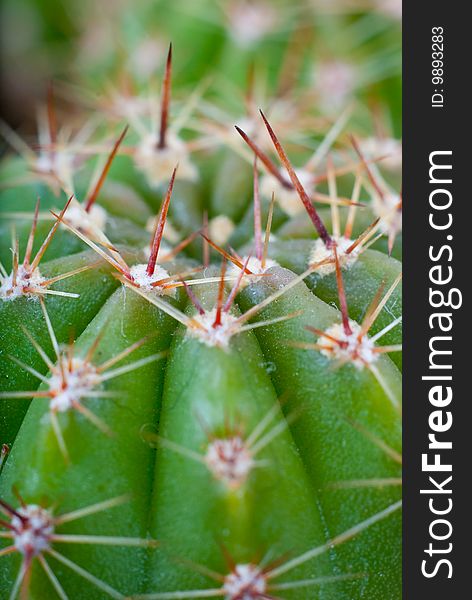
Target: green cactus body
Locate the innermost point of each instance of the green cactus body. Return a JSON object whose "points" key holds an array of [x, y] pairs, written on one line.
{"points": [[231, 202], [336, 428], [181, 426], [289, 496], [73, 476], [238, 502], [20, 314], [213, 393], [294, 497]]}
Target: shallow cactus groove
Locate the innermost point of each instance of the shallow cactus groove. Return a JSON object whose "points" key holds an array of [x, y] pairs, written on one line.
{"points": [[200, 316]]}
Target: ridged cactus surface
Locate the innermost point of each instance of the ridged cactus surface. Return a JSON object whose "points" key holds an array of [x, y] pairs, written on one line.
{"points": [[200, 326]]}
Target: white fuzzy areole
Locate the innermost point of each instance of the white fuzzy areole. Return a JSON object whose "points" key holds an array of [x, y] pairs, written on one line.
{"points": [[288, 199], [146, 58], [220, 229], [358, 351], [157, 163], [390, 8], [32, 533], [213, 336], [245, 582], [27, 283], [387, 209], [71, 383], [229, 460], [335, 82], [255, 266], [390, 148], [250, 22], [283, 114], [145, 281], [320, 252], [78, 217], [58, 164], [125, 106]]}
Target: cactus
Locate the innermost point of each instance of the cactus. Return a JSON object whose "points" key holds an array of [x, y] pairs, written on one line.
{"points": [[200, 345]]}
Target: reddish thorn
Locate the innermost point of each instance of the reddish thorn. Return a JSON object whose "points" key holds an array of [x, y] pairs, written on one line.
{"points": [[171, 279], [235, 288], [206, 247], [159, 231], [257, 213], [372, 179], [93, 348], [221, 291], [180, 246], [14, 274], [52, 122], [50, 235], [290, 68], [24, 589], [29, 245], [367, 320], [11, 511], [341, 294], [227, 556], [127, 85], [3, 455], [375, 110], [249, 95], [362, 236], [347, 169], [276, 562], [93, 196], [165, 103], [193, 298], [226, 255], [235, 254], [7, 525], [18, 496], [311, 210], [320, 333], [70, 350], [269, 165], [267, 231]]}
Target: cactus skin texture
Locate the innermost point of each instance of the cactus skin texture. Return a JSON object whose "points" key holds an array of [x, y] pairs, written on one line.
{"points": [[200, 392]]}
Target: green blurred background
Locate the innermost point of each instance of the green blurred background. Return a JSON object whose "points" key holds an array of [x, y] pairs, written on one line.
{"points": [[338, 48]]}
